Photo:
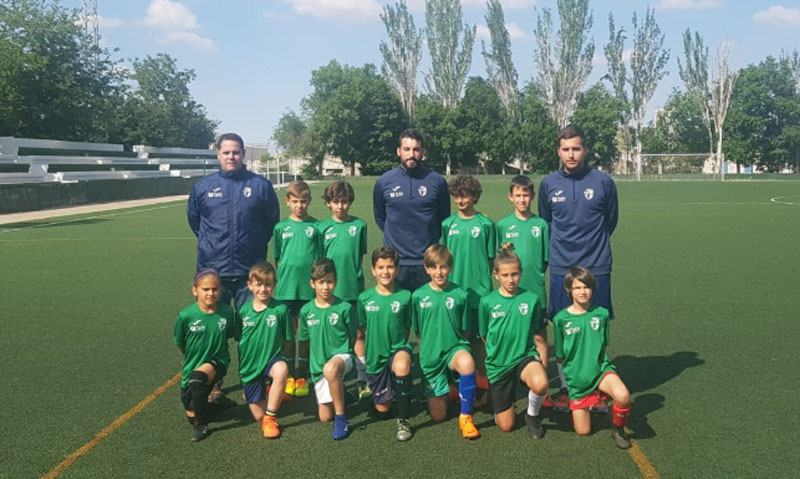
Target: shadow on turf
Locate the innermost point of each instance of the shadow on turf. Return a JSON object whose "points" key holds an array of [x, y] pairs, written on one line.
{"points": [[642, 374], [39, 224]]}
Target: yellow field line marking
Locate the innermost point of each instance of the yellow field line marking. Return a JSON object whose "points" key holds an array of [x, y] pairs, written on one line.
{"points": [[66, 463], [645, 467]]}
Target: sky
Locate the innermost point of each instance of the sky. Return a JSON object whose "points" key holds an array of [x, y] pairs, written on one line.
{"points": [[253, 59]]}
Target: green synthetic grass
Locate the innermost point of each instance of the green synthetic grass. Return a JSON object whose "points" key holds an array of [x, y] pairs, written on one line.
{"points": [[704, 291]]}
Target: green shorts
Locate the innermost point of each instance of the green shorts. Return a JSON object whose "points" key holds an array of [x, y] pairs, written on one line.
{"points": [[439, 385]]}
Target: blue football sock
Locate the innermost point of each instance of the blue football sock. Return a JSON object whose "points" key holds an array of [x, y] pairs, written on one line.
{"points": [[466, 391]]}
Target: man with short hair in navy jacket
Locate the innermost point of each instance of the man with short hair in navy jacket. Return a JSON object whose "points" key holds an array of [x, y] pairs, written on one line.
{"points": [[232, 212], [409, 203], [580, 204]]}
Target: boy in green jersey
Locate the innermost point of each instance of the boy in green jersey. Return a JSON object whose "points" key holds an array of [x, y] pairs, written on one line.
{"points": [[384, 315], [471, 237], [344, 240], [581, 336], [296, 244], [262, 327], [530, 236], [439, 317], [201, 334], [327, 323], [511, 324]]}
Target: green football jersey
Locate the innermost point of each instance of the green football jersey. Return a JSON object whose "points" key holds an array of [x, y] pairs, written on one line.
{"points": [[472, 242], [296, 244], [328, 331], [261, 335], [531, 240], [345, 243], [581, 340], [508, 325], [387, 320], [204, 337], [438, 318]]}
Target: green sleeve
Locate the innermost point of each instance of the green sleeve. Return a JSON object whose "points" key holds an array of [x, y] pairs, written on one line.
{"points": [[491, 239], [545, 242], [536, 317], [414, 316], [350, 321], [558, 337], [483, 319], [179, 332], [465, 326], [407, 315], [363, 246], [237, 326], [288, 329], [302, 329], [276, 242], [230, 326], [444, 232], [608, 332], [362, 315]]}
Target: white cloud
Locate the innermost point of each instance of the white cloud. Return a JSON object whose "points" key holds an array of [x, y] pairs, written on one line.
{"points": [[514, 32], [178, 23], [351, 10], [189, 38], [601, 59], [777, 15], [687, 4], [168, 15]]}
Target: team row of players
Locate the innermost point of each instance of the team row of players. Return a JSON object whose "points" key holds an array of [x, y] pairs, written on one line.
{"points": [[472, 237]]}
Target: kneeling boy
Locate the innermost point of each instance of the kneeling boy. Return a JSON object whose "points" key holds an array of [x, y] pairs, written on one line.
{"points": [[327, 323], [440, 319], [263, 326], [384, 314]]}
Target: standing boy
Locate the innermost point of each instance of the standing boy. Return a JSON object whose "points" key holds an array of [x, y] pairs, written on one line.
{"points": [[582, 334], [344, 240], [262, 327], [328, 324], [439, 318], [295, 247], [384, 315], [471, 237]]}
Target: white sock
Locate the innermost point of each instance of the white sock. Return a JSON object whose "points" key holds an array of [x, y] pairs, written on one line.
{"points": [[561, 376], [534, 403], [361, 369]]}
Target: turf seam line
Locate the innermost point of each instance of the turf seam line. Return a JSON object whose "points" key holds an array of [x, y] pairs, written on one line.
{"points": [[54, 223], [645, 467], [116, 424]]}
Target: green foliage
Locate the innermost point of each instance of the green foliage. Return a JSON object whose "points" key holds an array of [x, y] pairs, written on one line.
{"points": [[499, 63], [537, 132], [355, 114], [680, 128], [402, 55], [56, 83], [596, 113], [764, 112], [449, 61]]}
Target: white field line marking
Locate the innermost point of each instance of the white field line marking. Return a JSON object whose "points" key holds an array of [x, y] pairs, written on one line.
{"points": [[75, 220], [45, 240], [777, 200]]}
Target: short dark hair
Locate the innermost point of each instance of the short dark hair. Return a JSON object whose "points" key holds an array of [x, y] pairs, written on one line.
{"points": [[339, 190], [322, 267], [581, 274], [413, 134], [465, 185], [230, 137], [521, 181], [385, 252], [569, 132]]}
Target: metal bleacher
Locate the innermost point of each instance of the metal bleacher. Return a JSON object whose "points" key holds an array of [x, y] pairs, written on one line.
{"points": [[25, 160]]}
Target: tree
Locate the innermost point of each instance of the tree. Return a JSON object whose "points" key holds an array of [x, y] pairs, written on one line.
{"points": [[482, 119], [618, 77], [537, 131], [647, 63], [163, 110], [764, 110], [723, 80], [402, 55], [450, 45], [355, 114], [54, 81], [499, 64], [564, 76], [596, 113], [695, 77]]}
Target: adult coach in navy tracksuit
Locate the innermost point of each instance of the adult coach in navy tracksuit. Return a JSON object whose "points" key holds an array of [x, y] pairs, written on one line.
{"points": [[580, 204], [232, 212], [409, 203]]}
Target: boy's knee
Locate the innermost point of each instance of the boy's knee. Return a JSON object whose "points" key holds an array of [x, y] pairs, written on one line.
{"points": [[332, 369], [279, 370], [583, 432], [198, 378], [623, 398]]}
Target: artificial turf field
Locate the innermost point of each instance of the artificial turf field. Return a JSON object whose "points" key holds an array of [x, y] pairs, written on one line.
{"points": [[706, 338]]}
